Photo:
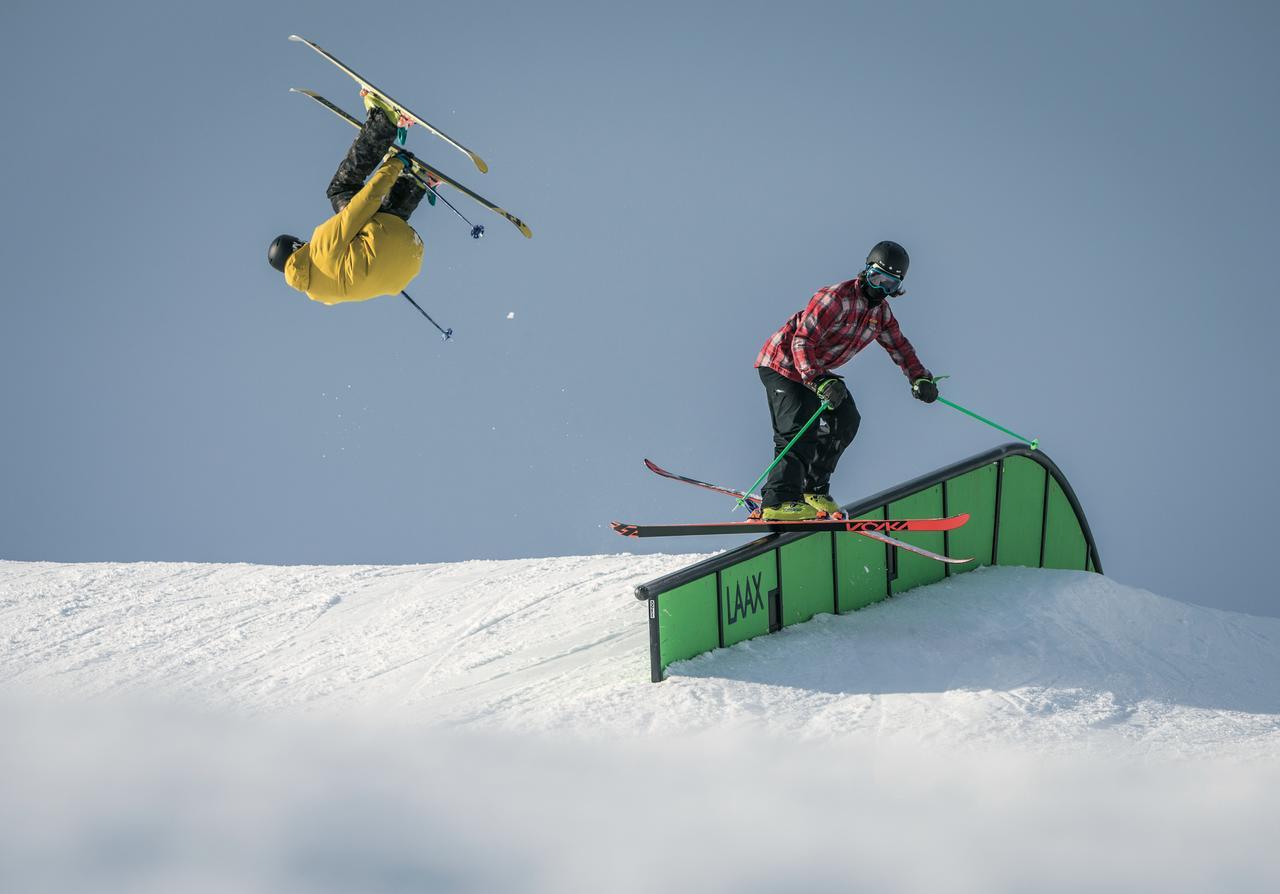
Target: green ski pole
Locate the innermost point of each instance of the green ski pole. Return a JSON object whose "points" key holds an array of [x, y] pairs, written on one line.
{"points": [[1033, 443], [785, 450]]}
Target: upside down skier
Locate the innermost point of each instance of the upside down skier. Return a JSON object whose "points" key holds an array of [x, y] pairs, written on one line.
{"points": [[367, 248], [795, 367]]}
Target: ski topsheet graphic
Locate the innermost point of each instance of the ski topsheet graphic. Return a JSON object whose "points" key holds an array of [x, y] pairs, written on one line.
{"points": [[422, 169], [394, 103]]}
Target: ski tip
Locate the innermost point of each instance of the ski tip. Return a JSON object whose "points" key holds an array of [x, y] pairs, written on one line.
{"points": [[625, 530], [479, 162], [651, 465], [962, 518], [298, 39]]}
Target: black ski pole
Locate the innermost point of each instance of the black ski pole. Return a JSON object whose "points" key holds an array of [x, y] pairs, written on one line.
{"points": [[447, 333], [477, 230]]}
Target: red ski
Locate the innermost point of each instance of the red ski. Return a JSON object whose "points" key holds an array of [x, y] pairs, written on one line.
{"points": [[852, 525]]}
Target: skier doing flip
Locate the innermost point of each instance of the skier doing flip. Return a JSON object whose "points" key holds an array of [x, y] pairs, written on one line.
{"points": [[367, 248], [795, 366]]}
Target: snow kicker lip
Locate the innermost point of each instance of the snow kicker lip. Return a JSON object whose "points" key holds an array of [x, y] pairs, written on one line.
{"points": [[853, 526]]}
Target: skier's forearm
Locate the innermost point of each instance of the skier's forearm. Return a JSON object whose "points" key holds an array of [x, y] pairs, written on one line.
{"points": [[368, 201], [801, 354], [902, 352], [330, 240], [911, 366]]}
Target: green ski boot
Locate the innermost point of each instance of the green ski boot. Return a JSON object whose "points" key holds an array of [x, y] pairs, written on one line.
{"points": [[792, 510], [402, 122], [823, 504]]}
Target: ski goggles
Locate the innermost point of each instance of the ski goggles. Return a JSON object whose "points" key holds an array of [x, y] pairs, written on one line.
{"points": [[882, 279]]}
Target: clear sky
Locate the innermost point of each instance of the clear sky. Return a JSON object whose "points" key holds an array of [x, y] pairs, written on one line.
{"points": [[1088, 192]]}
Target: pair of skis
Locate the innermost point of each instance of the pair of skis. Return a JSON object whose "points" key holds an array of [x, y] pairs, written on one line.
{"points": [[429, 176], [875, 529]]}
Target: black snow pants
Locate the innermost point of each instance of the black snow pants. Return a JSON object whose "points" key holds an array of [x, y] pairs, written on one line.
{"points": [[808, 467], [368, 148]]}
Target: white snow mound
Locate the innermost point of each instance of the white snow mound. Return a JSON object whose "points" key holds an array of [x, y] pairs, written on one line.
{"points": [[490, 726], [1009, 655]]}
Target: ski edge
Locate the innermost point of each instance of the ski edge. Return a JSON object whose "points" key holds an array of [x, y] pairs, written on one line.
{"points": [[628, 530], [855, 526]]}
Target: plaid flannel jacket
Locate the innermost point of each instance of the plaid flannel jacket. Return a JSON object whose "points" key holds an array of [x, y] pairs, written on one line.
{"points": [[836, 324]]}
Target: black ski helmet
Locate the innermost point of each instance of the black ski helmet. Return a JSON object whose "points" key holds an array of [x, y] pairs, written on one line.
{"points": [[281, 248], [889, 257]]}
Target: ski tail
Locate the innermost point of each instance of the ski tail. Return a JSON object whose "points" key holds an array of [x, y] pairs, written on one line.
{"points": [[912, 548], [752, 501]]}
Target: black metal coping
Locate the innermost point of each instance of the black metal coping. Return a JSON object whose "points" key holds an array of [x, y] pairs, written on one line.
{"points": [[853, 510]]}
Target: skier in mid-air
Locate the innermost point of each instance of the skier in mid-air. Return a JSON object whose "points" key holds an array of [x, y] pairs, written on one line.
{"points": [[795, 366], [367, 248]]}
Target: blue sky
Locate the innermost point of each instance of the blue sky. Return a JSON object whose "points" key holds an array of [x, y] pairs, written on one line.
{"points": [[1088, 192]]}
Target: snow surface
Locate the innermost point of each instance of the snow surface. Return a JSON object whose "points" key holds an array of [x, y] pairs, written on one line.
{"points": [[491, 726]]}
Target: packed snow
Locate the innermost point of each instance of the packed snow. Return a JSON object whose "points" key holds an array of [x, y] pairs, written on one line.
{"points": [[490, 725]]}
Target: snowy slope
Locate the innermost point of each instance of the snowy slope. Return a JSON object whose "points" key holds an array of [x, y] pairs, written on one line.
{"points": [[1001, 655], [260, 722]]}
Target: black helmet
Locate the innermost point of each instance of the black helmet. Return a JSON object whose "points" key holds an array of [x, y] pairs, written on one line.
{"points": [[281, 248], [889, 257]]}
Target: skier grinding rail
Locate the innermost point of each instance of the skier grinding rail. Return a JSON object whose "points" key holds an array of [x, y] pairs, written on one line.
{"points": [[795, 367], [367, 248]]}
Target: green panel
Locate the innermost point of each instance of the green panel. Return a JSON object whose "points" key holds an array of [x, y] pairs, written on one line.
{"points": [[1064, 543], [860, 563], [913, 570], [807, 585], [745, 591], [687, 620], [1021, 512], [974, 493]]}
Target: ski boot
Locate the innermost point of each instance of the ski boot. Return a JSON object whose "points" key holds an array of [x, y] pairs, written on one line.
{"points": [[402, 122], [792, 510], [825, 506]]}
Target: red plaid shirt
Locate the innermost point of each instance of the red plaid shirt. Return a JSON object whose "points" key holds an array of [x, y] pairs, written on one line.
{"points": [[836, 324]]}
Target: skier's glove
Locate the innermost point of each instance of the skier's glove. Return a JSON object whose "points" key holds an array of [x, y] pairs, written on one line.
{"points": [[925, 390], [406, 158], [832, 390]]}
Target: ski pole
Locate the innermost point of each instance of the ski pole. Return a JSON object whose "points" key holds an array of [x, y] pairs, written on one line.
{"points": [[447, 333], [1033, 443], [477, 230], [785, 450]]}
